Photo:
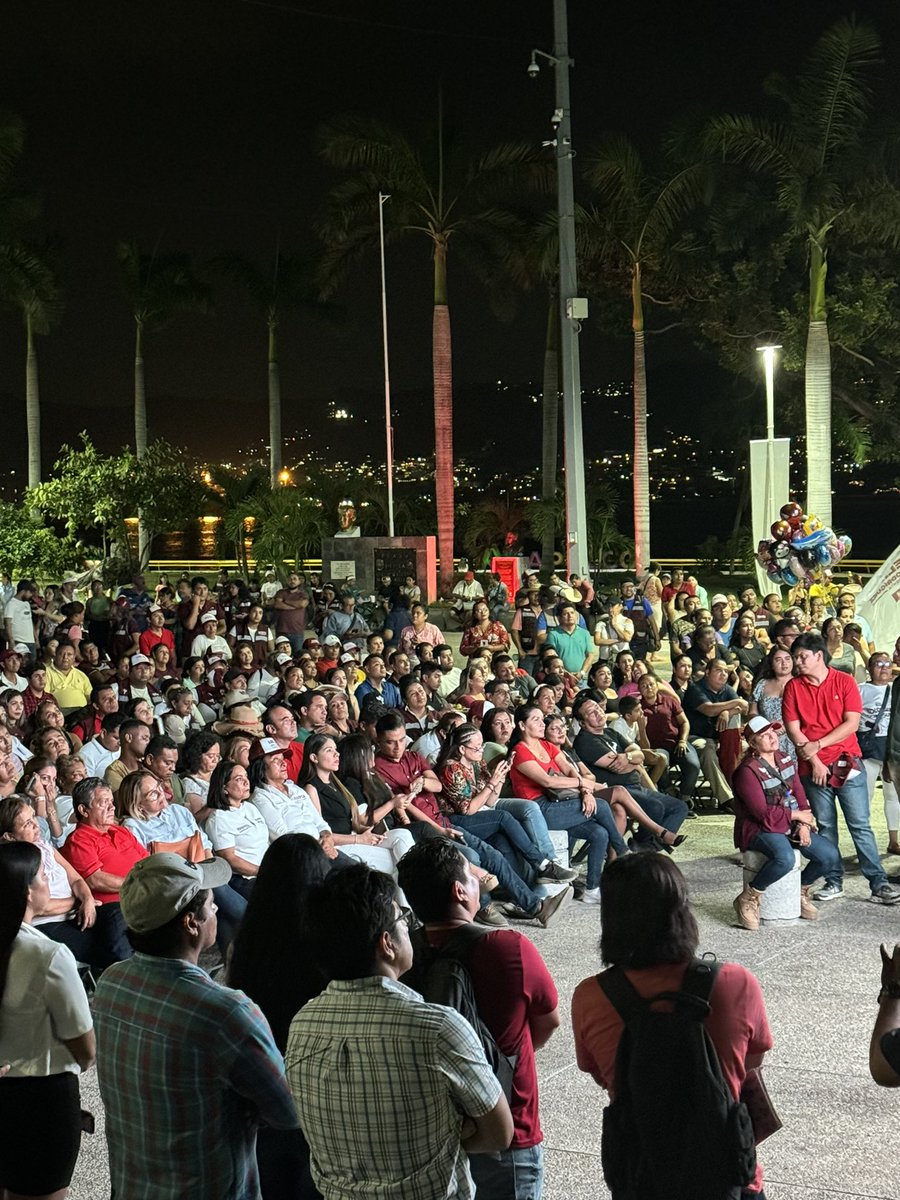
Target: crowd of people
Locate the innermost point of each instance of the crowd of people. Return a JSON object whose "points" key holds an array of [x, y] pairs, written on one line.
{"points": [[295, 773]]}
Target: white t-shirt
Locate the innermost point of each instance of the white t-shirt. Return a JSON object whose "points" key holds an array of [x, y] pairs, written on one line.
{"points": [[628, 732], [872, 698], [44, 1004], [288, 812], [217, 645], [57, 880], [242, 830], [96, 757], [19, 612], [19, 685]]}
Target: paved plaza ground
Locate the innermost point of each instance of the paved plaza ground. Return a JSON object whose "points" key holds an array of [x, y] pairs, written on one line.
{"points": [[820, 982]]}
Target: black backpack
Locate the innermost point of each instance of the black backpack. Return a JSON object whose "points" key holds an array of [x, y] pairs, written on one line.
{"points": [[674, 1130], [442, 977]]}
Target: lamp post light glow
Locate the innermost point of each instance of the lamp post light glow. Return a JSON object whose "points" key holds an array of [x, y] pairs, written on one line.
{"points": [[768, 353]]}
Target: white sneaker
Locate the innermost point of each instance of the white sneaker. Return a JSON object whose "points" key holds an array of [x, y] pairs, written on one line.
{"points": [[590, 896]]}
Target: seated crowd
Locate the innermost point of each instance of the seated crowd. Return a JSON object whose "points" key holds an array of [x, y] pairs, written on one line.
{"points": [[281, 735]]}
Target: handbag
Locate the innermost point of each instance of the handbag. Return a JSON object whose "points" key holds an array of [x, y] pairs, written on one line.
{"points": [[190, 848], [871, 746]]}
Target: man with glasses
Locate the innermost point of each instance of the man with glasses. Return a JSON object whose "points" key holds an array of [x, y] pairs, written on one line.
{"points": [[821, 709], [389, 1089]]}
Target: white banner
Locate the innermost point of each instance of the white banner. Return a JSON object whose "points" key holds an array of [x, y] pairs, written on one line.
{"points": [[767, 496], [879, 603]]}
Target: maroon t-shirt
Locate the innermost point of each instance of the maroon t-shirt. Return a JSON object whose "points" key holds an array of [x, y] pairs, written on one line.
{"points": [[400, 776], [663, 729], [291, 620], [527, 991]]}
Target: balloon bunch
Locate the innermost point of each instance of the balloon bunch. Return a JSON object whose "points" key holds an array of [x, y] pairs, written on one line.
{"points": [[802, 549]]}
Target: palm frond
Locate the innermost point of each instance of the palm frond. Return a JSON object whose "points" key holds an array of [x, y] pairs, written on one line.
{"points": [[357, 143], [834, 91]]}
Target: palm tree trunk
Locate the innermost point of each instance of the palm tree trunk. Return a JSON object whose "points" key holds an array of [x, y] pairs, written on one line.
{"points": [[32, 406], [140, 433], [442, 369], [818, 391], [550, 404], [274, 410], [640, 465]]}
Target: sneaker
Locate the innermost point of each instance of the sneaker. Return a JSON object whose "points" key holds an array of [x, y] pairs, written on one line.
{"points": [[491, 915], [551, 906], [834, 891], [885, 895], [556, 873], [590, 896]]}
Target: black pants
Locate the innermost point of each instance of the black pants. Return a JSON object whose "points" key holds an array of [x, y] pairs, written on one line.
{"points": [[100, 946]]}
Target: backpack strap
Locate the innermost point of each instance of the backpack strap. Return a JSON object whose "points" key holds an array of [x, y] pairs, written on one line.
{"points": [[698, 983], [620, 992], [461, 941]]}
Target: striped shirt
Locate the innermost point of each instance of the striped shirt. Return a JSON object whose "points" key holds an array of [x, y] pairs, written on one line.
{"points": [[382, 1081], [187, 1070]]}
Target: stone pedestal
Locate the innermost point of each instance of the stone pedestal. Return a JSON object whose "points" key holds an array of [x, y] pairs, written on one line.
{"points": [[367, 559], [780, 903], [560, 840]]}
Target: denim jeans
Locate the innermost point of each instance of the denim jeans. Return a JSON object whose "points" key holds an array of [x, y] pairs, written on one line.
{"points": [[824, 860], [659, 807], [483, 854], [529, 815], [568, 815], [688, 767], [853, 797], [232, 906], [487, 823], [509, 1175]]}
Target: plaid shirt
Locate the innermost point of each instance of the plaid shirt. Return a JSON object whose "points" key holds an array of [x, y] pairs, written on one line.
{"points": [[382, 1081], [187, 1070]]}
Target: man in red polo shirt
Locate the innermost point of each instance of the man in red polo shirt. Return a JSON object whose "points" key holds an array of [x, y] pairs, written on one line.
{"points": [[514, 993], [281, 724], [821, 709]]}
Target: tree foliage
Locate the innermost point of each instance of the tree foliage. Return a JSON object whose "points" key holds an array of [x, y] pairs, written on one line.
{"points": [[30, 550]]}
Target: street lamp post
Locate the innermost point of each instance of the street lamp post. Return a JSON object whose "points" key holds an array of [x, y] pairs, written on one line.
{"points": [[389, 431], [573, 309], [768, 353]]}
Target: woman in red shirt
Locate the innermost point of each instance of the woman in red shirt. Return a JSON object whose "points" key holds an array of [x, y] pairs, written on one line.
{"points": [[649, 932]]}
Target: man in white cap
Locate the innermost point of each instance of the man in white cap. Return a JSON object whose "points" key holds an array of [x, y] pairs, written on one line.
{"points": [[208, 641], [190, 1069]]}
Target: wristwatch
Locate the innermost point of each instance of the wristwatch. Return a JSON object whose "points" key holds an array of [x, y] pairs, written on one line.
{"points": [[889, 990]]}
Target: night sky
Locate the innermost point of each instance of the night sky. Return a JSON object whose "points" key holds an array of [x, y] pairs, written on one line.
{"points": [[189, 124]]}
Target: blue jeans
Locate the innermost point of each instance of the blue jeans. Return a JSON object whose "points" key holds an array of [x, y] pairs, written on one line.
{"points": [[482, 854], [487, 823], [510, 1174], [853, 797], [529, 815], [665, 810], [568, 815], [824, 859], [232, 906]]}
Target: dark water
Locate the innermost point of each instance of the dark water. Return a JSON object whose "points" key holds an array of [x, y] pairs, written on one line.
{"points": [[677, 528]]}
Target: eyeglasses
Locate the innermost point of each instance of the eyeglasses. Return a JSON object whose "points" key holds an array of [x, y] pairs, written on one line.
{"points": [[881, 662], [407, 916]]}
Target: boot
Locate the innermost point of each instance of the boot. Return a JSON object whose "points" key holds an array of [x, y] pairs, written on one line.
{"points": [[746, 905], [808, 910]]}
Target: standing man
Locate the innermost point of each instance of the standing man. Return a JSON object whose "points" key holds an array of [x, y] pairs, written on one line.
{"points": [[191, 611], [821, 710], [18, 621], [514, 994], [290, 605], [189, 1068], [572, 643], [389, 1090]]}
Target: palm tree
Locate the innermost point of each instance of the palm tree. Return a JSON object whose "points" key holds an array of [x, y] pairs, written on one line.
{"points": [[828, 177], [630, 232], [602, 531], [289, 285], [159, 286], [27, 281], [438, 194], [236, 495]]}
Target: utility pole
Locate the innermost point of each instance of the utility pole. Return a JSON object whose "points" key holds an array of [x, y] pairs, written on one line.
{"points": [[573, 308], [389, 429]]}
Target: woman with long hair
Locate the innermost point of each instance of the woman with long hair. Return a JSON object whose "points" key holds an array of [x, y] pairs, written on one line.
{"points": [[600, 679], [235, 828], [650, 937], [482, 634], [272, 932], [621, 673], [776, 670], [199, 757], [353, 834], [373, 797], [46, 1037]]}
